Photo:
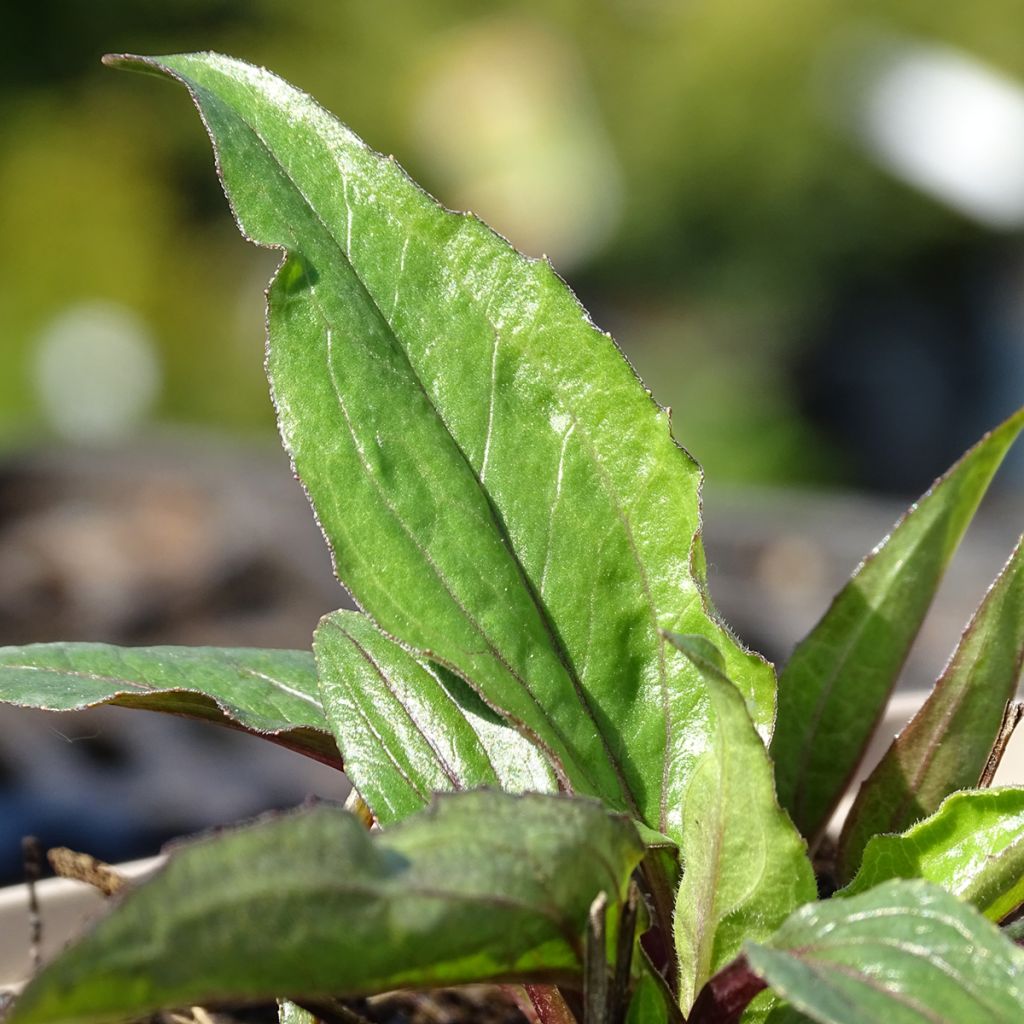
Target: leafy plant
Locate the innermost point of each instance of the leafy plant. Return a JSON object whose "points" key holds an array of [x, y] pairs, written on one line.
{"points": [[506, 504]]}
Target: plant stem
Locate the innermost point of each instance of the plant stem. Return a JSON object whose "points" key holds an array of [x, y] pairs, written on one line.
{"points": [[542, 1004], [619, 995], [724, 998], [595, 963]]}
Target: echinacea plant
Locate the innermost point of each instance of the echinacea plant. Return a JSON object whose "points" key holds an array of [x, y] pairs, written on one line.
{"points": [[587, 790]]}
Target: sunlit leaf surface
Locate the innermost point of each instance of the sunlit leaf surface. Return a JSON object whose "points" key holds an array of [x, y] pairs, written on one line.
{"points": [[497, 488], [902, 953], [834, 688], [947, 743], [973, 846], [406, 729], [745, 865]]}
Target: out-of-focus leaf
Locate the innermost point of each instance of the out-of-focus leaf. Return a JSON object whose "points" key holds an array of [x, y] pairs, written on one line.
{"points": [[745, 865], [273, 693], [973, 846], [497, 488], [903, 953], [835, 686], [948, 742], [407, 729], [652, 998], [481, 886], [289, 1013], [647, 1004], [662, 858]]}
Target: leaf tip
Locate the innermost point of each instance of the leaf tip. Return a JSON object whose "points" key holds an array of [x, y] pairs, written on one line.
{"points": [[123, 60], [698, 649]]}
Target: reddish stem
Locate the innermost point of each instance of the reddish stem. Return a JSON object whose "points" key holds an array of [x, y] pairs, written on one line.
{"points": [[542, 1004]]}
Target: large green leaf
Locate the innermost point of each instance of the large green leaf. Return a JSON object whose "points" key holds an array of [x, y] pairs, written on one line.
{"points": [[903, 953], [481, 886], [498, 490], [273, 693], [835, 686], [947, 743], [407, 730], [973, 846], [745, 865]]}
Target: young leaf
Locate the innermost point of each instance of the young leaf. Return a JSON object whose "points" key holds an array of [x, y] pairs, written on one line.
{"points": [[406, 730], [973, 846], [834, 688], [481, 886], [497, 488], [903, 953], [745, 865], [272, 693], [947, 743]]}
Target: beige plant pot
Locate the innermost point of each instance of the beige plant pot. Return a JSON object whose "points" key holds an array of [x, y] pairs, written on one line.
{"points": [[65, 908]]}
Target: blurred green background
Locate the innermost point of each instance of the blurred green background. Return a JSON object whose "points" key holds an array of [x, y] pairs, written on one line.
{"points": [[696, 169]]}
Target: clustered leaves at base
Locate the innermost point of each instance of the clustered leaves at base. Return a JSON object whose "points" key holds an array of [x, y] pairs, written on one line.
{"points": [[508, 507]]}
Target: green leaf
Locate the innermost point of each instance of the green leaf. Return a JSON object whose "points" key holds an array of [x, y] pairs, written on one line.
{"points": [[745, 865], [947, 743], [662, 858], [835, 686], [497, 488], [481, 886], [973, 846], [272, 693], [407, 729], [903, 953], [650, 1003]]}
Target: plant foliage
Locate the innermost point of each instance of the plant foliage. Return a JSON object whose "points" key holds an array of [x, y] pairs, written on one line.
{"points": [[507, 505]]}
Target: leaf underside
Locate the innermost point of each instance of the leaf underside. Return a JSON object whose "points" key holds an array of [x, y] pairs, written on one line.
{"points": [[407, 729], [746, 866], [310, 905], [948, 742], [268, 692], [834, 688], [496, 487], [903, 953]]}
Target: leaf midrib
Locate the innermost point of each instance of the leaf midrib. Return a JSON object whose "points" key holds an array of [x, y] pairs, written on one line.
{"points": [[386, 680], [137, 686], [541, 608]]}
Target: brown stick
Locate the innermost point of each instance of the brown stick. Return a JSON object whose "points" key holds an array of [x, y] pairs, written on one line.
{"points": [[32, 859], [81, 867], [1011, 717]]}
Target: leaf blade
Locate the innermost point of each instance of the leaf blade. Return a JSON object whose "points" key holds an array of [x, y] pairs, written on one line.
{"points": [[513, 611], [904, 952], [745, 867], [457, 903], [405, 731], [267, 692], [828, 705], [947, 744], [973, 846]]}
